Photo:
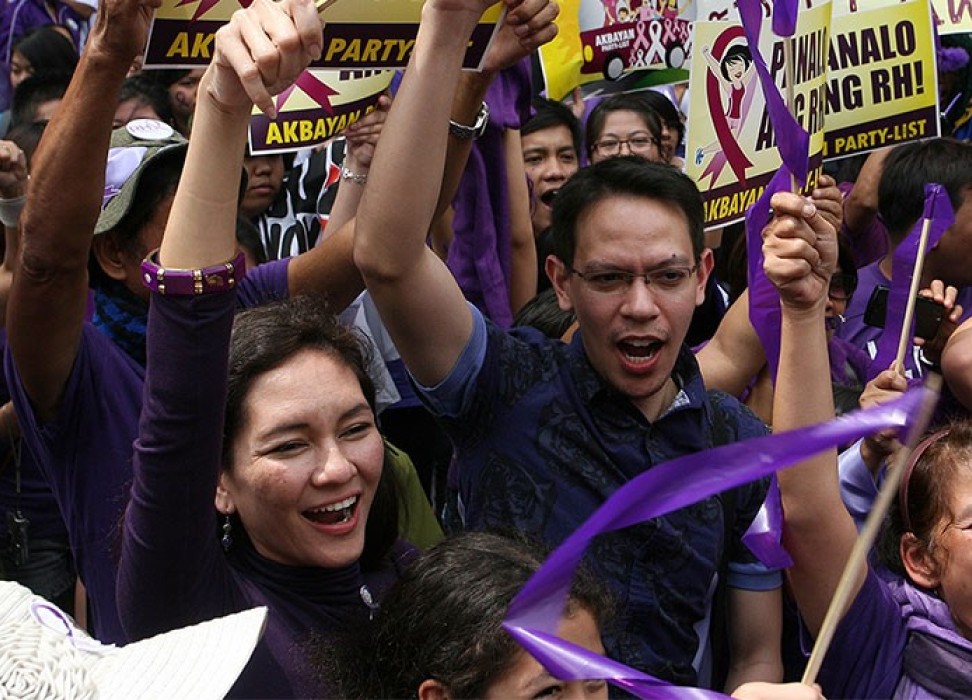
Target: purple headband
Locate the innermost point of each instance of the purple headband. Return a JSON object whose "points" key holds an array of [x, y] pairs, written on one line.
{"points": [[906, 476]]}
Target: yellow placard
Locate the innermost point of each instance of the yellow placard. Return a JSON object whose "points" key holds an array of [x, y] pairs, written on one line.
{"points": [[609, 39], [730, 146], [320, 106], [358, 34], [882, 83]]}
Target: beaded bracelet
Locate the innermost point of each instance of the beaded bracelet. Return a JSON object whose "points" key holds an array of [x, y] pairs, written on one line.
{"points": [[177, 282], [348, 174]]}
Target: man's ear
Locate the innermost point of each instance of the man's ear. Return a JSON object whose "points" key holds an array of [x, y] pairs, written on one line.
{"points": [[109, 256], [431, 689], [224, 499], [558, 273], [706, 263], [923, 568]]}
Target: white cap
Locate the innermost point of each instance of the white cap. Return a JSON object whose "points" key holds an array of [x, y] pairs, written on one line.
{"points": [[44, 656]]}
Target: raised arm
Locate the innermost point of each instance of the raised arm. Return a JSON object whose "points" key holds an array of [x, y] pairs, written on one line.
{"points": [[734, 355], [800, 250], [178, 453], [49, 293], [861, 205], [418, 299], [13, 190]]}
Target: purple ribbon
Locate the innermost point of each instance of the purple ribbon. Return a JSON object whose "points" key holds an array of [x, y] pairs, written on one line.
{"points": [[764, 535], [785, 17], [938, 210], [122, 162], [535, 613], [792, 140], [764, 299]]}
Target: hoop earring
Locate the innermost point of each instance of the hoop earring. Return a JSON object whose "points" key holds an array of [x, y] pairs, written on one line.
{"points": [[227, 538]]}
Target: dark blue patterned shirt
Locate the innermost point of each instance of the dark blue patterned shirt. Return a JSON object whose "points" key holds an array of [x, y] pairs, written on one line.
{"points": [[542, 441]]}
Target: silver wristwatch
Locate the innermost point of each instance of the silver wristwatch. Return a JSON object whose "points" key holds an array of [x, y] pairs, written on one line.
{"points": [[468, 133]]}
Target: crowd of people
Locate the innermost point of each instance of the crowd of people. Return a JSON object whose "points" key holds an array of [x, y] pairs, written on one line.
{"points": [[370, 385]]}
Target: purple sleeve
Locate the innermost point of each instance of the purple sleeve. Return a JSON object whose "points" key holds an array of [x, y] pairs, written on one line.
{"points": [[264, 283], [866, 655], [858, 488], [172, 569]]}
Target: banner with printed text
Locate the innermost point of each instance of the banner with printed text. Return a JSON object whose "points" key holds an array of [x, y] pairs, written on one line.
{"points": [[730, 145], [607, 40], [882, 86], [952, 16], [319, 106], [358, 34]]}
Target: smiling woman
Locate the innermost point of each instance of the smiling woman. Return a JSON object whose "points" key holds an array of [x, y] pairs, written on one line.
{"points": [[273, 416]]}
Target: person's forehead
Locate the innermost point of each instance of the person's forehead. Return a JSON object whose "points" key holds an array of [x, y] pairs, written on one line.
{"points": [[555, 136], [623, 120], [626, 223]]}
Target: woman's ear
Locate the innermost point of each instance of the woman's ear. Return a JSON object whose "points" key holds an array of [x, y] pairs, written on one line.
{"points": [[431, 689], [224, 499], [922, 566]]}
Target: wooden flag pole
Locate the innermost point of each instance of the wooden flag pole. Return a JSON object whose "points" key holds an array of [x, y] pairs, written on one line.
{"points": [[905, 340], [789, 75], [858, 555]]}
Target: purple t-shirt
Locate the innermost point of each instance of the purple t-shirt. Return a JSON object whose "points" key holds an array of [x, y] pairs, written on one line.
{"points": [[866, 337], [85, 451], [896, 641]]}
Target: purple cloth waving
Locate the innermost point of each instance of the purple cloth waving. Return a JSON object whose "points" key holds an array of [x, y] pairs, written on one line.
{"points": [[938, 211], [534, 614]]}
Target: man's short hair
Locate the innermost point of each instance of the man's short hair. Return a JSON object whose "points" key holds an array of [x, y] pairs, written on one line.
{"points": [[625, 176], [35, 91], [550, 114], [148, 92], [908, 168]]}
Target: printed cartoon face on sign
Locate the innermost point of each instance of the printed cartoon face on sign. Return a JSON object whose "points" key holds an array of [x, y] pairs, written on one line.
{"points": [[622, 35]]}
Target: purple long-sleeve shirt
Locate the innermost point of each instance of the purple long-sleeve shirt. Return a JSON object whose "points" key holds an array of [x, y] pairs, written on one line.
{"points": [[173, 571]]}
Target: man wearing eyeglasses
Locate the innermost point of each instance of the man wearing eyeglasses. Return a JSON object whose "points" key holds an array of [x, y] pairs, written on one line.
{"points": [[544, 431]]}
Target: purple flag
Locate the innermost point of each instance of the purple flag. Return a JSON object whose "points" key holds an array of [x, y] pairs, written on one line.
{"points": [[764, 299], [938, 211], [785, 17], [535, 613], [764, 536], [792, 140]]}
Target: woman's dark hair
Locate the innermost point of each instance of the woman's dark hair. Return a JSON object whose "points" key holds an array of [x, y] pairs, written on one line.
{"points": [[624, 176], [443, 619], [928, 489], [631, 102], [264, 338], [47, 50], [736, 52], [149, 92], [157, 182], [667, 111]]}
